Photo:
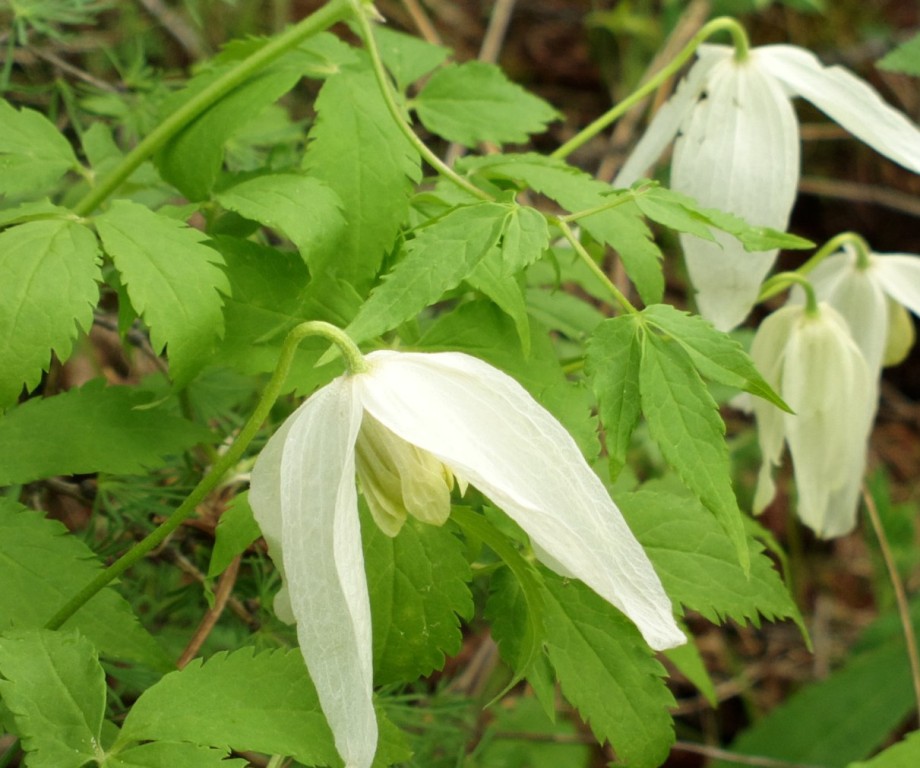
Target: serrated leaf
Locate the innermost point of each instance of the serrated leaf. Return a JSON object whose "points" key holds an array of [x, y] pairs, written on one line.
{"points": [[418, 585], [905, 58], [524, 239], [356, 148], [263, 702], [174, 282], [608, 673], [487, 278], [688, 660], [236, 530], [55, 687], [613, 362], [157, 754], [33, 153], [696, 561], [50, 271], [904, 754], [91, 429], [684, 421], [716, 355], [441, 255], [302, 209], [473, 102], [407, 57], [622, 227], [29, 596]]}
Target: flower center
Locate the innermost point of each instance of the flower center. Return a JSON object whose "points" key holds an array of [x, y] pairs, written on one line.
{"points": [[398, 479]]}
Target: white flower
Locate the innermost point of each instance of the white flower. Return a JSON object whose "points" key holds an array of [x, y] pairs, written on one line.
{"points": [[407, 426], [869, 294], [814, 364], [737, 149]]}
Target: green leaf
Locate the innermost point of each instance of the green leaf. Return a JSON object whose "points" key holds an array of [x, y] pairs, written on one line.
{"points": [[688, 660], [91, 429], [173, 281], [407, 57], [236, 530], [684, 421], [30, 593], [302, 209], [359, 152], [262, 702], [473, 102], [50, 271], [613, 362], [33, 153], [696, 561], [524, 239], [622, 227], [716, 355], [55, 687], [157, 754], [505, 291], [905, 58], [33, 211], [608, 673], [418, 585], [559, 310], [904, 754], [192, 159], [854, 711], [441, 255]]}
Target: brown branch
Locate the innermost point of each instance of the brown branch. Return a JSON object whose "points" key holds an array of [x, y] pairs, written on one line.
{"points": [[221, 596]]}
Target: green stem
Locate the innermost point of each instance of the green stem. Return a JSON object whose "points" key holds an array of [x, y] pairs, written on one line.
{"points": [[618, 200], [900, 593], [783, 280], [386, 90], [723, 23], [835, 244], [220, 468], [329, 14], [591, 264]]}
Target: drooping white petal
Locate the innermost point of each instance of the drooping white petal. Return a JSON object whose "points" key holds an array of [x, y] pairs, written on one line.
{"points": [[899, 276], [667, 120], [768, 353], [827, 382], [489, 431], [739, 152], [324, 564], [847, 99], [858, 296]]}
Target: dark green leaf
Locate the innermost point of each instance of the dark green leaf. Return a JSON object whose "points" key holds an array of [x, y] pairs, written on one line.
{"points": [[158, 754], [50, 271], [236, 530]]}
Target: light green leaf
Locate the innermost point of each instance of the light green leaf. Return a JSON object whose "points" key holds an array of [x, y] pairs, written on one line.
{"points": [[441, 255], [262, 702], [408, 57], [904, 754], [33, 211], [608, 673], [524, 239], [905, 58], [716, 355], [55, 687], [689, 662], [173, 281], [302, 209], [622, 227], [419, 592], [487, 278], [33, 153], [696, 561], [159, 754], [50, 271], [30, 596], [684, 421], [613, 362], [475, 101], [359, 152], [91, 429], [236, 530]]}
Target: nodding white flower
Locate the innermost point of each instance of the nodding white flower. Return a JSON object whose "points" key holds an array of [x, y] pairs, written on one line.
{"points": [[871, 291], [406, 427], [737, 149], [813, 362]]}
